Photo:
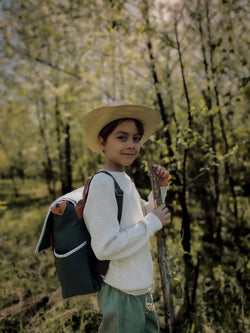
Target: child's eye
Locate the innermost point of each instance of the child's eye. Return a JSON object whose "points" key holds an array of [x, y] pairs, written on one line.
{"points": [[122, 137], [137, 138]]}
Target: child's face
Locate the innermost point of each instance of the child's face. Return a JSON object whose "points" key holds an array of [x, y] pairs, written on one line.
{"points": [[122, 146]]}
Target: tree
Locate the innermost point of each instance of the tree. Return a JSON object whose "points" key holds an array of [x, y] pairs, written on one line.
{"points": [[189, 60]]}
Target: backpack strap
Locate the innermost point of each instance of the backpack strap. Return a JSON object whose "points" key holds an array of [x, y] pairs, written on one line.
{"points": [[86, 190], [118, 193], [103, 265]]}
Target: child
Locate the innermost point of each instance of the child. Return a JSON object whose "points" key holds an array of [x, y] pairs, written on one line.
{"points": [[118, 130]]}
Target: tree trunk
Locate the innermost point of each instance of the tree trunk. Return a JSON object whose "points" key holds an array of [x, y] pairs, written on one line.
{"points": [[221, 121], [47, 164], [12, 174], [190, 120], [68, 167], [210, 206], [61, 163], [186, 221]]}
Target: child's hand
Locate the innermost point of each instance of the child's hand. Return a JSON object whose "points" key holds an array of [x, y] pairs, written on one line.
{"points": [[162, 213], [163, 175]]}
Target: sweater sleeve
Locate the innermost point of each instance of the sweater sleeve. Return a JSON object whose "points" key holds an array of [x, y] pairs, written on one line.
{"points": [[108, 239]]}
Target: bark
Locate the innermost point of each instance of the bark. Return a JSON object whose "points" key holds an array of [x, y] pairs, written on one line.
{"points": [[63, 151], [156, 82], [47, 164], [195, 286], [221, 121], [190, 120], [58, 138], [12, 174], [186, 221], [12, 169], [215, 194], [162, 258], [68, 166]]}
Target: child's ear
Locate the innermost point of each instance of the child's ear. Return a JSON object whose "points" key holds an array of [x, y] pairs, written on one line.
{"points": [[101, 143]]}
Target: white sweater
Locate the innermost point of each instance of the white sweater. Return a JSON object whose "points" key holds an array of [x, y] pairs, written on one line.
{"points": [[125, 245]]}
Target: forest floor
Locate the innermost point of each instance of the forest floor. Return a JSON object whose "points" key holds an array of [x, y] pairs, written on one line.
{"points": [[30, 294]]}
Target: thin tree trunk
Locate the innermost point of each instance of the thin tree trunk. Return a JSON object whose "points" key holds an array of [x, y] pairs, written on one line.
{"points": [[68, 167], [47, 165], [212, 214], [64, 151], [58, 122], [12, 169], [190, 120], [14, 182], [221, 121], [186, 221], [162, 109], [158, 94]]}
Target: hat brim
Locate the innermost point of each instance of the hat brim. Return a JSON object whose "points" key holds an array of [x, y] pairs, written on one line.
{"points": [[96, 119]]}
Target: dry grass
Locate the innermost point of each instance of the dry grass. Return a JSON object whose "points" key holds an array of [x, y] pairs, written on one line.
{"points": [[30, 295]]}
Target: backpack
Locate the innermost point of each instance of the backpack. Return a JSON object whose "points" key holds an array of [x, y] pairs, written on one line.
{"points": [[79, 271]]}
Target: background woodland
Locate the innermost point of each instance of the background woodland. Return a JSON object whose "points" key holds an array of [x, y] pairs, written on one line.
{"points": [[187, 59]]}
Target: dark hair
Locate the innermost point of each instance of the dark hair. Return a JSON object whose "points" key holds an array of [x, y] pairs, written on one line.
{"points": [[108, 129]]}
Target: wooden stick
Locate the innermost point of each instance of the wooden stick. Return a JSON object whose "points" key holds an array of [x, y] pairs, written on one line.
{"points": [[162, 257]]}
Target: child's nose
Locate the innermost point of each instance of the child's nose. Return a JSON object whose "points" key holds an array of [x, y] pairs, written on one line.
{"points": [[131, 143]]}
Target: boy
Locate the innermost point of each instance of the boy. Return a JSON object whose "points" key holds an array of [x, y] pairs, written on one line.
{"points": [[118, 130]]}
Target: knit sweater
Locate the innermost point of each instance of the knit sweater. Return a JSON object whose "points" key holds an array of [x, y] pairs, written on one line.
{"points": [[125, 245]]}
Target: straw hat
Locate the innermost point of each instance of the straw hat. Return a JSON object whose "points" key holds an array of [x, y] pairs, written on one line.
{"points": [[95, 120]]}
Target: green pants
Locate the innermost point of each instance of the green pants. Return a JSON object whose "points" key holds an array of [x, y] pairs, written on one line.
{"points": [[123, 313]]}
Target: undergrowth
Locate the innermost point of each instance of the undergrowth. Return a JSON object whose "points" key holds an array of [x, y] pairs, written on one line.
{"points": [[30, 293]]}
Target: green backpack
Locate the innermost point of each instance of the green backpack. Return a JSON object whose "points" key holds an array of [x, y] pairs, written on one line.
{"points": [[79, 271]]}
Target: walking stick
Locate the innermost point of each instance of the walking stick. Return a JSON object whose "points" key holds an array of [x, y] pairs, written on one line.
{"points": [[162, 257]]}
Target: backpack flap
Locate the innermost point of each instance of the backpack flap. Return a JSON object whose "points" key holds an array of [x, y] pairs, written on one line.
{"points": [[68, 233], [45, 237]]}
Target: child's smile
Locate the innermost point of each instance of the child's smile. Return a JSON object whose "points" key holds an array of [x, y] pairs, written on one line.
{"points": [[122, 146]]}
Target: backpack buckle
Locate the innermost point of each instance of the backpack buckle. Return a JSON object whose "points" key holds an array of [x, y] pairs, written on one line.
{"points": [[119, 192]]}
